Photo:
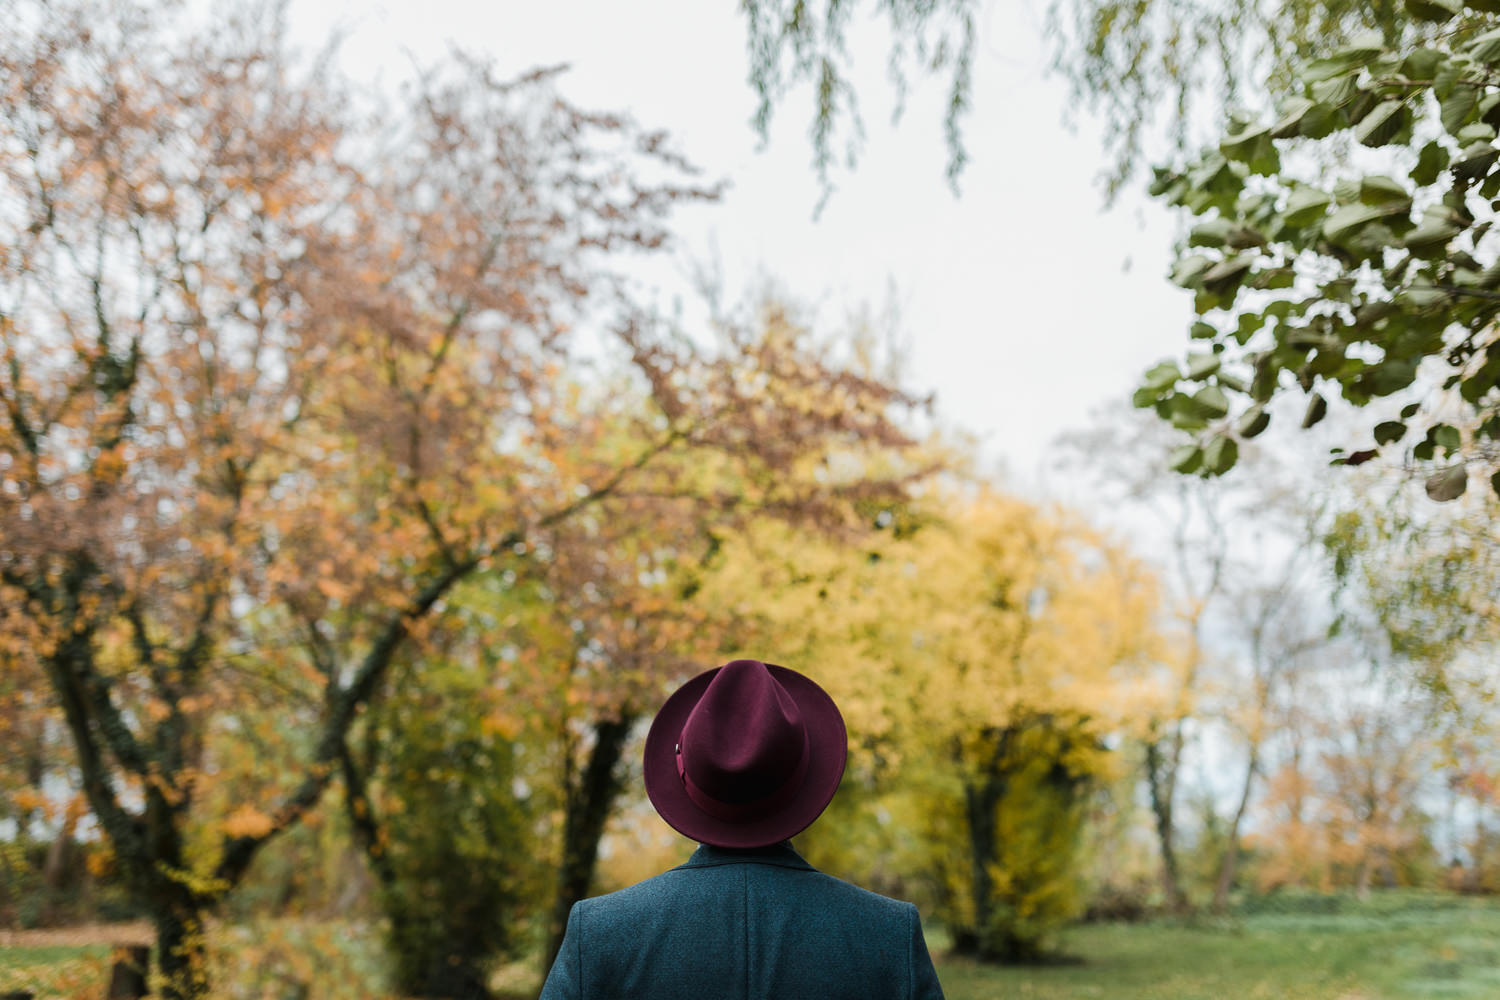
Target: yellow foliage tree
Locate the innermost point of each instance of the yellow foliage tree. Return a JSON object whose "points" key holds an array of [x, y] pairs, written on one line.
{"points": [[983, 651]]}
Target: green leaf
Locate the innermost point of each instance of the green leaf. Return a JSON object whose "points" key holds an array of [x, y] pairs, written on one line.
{"points": [[1210, 401], [1339, 289], [1439, 225], [1190, 269], [1162, 181], [1227, 272], [1410, 410], [1184, 414], [1292, 114], [1202, 331], [1243, 146], [1274, 278], [1389, 431], [1332, 94], [1323, 118], [1495, 483], [1422, 64], [1448, 484], [1252, 422], [1348, 220], [1455, 107], [1186, 458], [1380, 190], [1447, 437], [1422, 295], [1200, 366], [1475, 132], [1248, 324], [1434, 10], [1213, 233], [1317, 409], [1382, 124], [1431, 161], [1263, 385], [1162, 376], [1392, 375], [1489, 109], [1360, 51], [1448, 74], [1306, 204], [1485, 48], [1474, 161], [1220, 455]]}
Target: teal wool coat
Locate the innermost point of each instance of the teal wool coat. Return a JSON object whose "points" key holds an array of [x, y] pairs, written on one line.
{"points": [[743, 925]]}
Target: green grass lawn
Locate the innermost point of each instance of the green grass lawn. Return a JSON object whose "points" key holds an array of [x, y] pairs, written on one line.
{"points": [[1394, 947], [55, 970], [1443, 947]]}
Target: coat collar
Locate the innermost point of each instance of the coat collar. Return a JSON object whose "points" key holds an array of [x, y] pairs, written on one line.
{"points": [[781, 855]]}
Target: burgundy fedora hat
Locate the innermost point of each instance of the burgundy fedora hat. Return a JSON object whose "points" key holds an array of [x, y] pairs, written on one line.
{"points": [[745, 755]]}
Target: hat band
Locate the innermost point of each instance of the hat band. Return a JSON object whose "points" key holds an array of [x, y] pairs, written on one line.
{"points": [[738, 811]]}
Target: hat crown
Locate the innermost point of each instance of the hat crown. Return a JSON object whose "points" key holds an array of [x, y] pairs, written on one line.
{"points": [[745, 739]]}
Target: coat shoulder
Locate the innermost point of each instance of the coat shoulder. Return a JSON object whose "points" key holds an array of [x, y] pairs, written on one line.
{"points": [[854, 897], [647, 901]]}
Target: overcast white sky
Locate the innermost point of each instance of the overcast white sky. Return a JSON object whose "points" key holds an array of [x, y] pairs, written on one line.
{"points": [[1015, 298]]}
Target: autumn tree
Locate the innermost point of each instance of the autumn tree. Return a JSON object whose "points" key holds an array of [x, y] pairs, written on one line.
{"points": [[981, 649], [264, 354], [1379, 754], [1347, 809], [598, 614]]}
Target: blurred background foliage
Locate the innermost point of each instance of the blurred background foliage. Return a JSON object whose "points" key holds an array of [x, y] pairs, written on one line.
{"points": [[354, 520]]}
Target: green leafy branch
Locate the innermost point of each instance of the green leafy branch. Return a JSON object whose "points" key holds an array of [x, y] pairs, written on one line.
{"points": [[1362, 288]]}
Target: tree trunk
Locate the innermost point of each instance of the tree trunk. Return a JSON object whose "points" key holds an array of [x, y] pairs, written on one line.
{"points": [[57, 868], [181, 949], [450, 973], [1161, 776], [1230, 861], [589, 801], [439, 975], [128, 974], [980, 802], [1362, 877]]}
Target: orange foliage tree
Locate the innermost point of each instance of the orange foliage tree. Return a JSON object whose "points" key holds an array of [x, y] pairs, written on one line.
{"points": [[276, 378], [602, 602]]}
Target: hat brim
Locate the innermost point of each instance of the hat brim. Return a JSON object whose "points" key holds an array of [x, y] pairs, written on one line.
{"points": [[828, 750]]}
